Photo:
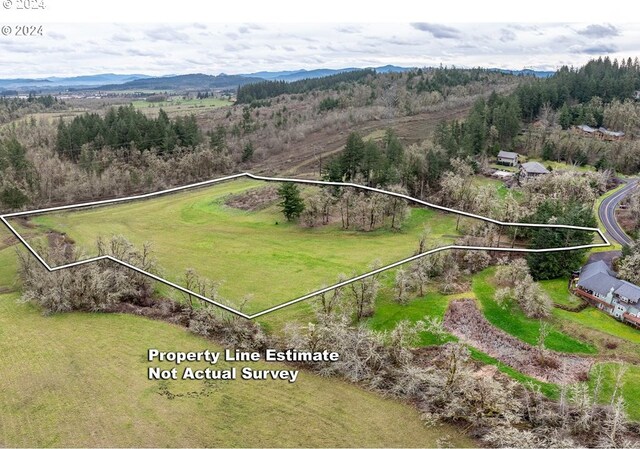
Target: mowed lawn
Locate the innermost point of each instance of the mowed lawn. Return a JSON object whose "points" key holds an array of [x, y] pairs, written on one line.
{"points": [[81, 380], [250, 253]]}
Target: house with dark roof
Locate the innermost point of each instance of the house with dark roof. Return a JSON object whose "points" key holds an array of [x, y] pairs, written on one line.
{"points": [[508, 158], [532, 169], [600, 286]]}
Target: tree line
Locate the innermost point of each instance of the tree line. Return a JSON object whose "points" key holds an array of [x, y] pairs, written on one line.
{"points": [[12, 108], [269, 89], [598, 78], [126, 127]]}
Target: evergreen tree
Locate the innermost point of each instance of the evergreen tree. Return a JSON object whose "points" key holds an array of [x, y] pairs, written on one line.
{"points": [[556, 264], [290, 200], [565, 117]]}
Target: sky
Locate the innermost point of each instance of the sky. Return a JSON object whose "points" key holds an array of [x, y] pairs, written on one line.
{"points": [[213, 48]]}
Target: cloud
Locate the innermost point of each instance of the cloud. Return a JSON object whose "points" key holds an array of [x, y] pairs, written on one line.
{"points": [[348, 29], [248, 28], [167, 34], [507, 35], [56, 36], [599, 31], [147, 53], [438, 31], [122, 38], [236, 47], [598, 49]]}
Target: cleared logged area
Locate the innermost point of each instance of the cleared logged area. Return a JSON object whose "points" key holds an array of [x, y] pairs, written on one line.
{"points": [[253, 253]]}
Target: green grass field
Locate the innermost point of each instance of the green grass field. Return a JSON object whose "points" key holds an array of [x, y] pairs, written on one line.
{"points": [[558, 291], [80, 380], [512, 320], [178, 104], [630, 386], [434, 305], [255, 253], [389, 313], [592, 318]]}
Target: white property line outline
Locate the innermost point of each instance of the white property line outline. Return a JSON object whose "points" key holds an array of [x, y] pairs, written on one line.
{"points": [[4, 218]]}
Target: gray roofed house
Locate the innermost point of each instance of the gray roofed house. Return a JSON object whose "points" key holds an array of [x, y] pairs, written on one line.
{"points": [[628, 291], [611, 134], [586, 129], [595, 267], [508, 158], [598, 284], [532, 169]]}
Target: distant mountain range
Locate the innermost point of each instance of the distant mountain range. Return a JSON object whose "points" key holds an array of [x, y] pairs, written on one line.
{"points": [[140, 82], [527, 72], [197, 81], [297, 75], [62, 82]]}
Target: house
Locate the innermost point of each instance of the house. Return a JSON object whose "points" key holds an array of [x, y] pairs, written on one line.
{"points": [[600, 133], [606, 134], [600, 286], [586, 129], [532, 169], [508, 158]]}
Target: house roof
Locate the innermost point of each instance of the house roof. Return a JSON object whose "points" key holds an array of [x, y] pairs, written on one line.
{"points": [[507, 155], [586, 128], [595, 267], [601, 283], [534, 167], [611, 133], [598, 278], [629, 291]]}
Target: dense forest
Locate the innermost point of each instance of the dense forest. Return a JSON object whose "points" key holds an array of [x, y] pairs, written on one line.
{"points": [[269, 89], [601, 78], [126, 127]]}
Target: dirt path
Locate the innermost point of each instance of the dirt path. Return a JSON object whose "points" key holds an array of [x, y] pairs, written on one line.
{"points": [[465, 321]]}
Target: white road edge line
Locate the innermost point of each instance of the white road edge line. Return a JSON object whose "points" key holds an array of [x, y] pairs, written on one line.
{"points": [[4, 218]]}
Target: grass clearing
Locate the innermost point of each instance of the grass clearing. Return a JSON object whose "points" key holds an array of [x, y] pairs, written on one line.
{"points": [[630, 387], [180, 105], [512, 320], [558, 291], [81, 380], [389, 313], [255, 253], [595, 319]]}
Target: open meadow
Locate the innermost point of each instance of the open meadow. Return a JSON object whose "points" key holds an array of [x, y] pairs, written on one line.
{"points": [[255, 253]]}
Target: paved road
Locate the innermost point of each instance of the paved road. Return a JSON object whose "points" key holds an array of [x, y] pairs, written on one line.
{"points": [[607, 213]]}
